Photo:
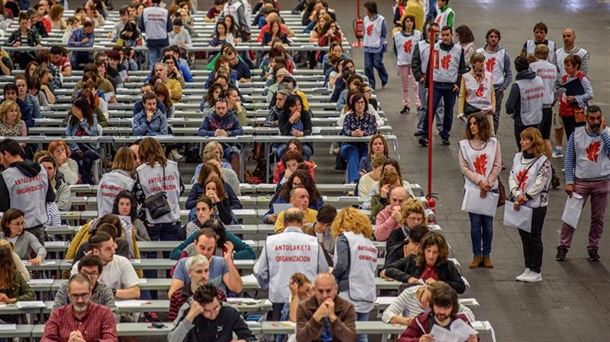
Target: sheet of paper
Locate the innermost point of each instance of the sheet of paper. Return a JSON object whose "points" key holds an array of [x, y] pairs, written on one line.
{"points": [[129, 303], [461, 330], [385, 300], [249, 279], [40, 282], [30, 304], [521, 219], [572, 210], [442, 335], [242, 300], [473, 203]]}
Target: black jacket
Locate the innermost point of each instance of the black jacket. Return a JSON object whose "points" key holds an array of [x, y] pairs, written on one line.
{"points": [[202, 329], [405, 268]]}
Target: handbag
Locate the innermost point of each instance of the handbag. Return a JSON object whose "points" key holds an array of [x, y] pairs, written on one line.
{"points": [[157, 204], [502, 193]]}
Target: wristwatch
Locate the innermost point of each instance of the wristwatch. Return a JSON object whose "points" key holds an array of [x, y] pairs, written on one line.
{"points": [[114, 292]]}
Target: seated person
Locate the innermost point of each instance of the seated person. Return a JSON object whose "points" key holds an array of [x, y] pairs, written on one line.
{"points": [[18, 290], [198, 268], [91, 267], [26, 110], [209, 100], [354, 81], [321, 230], [377, 198], [290, 162], [241, 250], [299, 198], [301, 289], [82, 37], [19, 265], [212, 152], [26, 244], [24, 36], [444, 307], [118, 273], [368, 180], [429, 265], [150, 121], [273, 117], [299, 179], [182, 65], [126, 208], [377, 146], [82, 122], [129, 249], [24, 96], [63, 196], [138, 106], [414, 300], [161, 75], [280, 168], [223, 272], [11, 124], [391, 217], [6, 64], [89, 229], [208, 171], [234, 104], [214, 11], [397, 249], [295, 121], [241, 67], [206, 319], [66, 165], [180, 36]]}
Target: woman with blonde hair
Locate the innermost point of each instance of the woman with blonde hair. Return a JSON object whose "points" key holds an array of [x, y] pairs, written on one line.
{"points": [[355, 261], [11, 124], [119, 179], [529, 181], [66, 165]]}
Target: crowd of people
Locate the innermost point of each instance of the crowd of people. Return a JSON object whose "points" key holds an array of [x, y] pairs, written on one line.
{"points": [[321, 264]]}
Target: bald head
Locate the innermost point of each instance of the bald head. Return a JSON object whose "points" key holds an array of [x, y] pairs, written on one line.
{"points": [[325, 287], [293, 217], [569, 37], [398, 196]]}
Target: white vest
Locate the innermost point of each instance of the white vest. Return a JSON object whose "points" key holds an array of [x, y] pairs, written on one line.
{"points": [[372, 31], [478, 94], [592, 162], [532, 93], [155, 22], [362, 269], [519, 171], [28, 194], [548, 74], [494, 63], [110, 185], [151, 181], [405, 45], [441, 17], [484, 159], [288, 253], [424, 54], [447, 63], [561, 55], [531, 48]]}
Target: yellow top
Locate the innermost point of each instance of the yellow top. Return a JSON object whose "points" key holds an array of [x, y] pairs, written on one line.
{"points": [[415, 9], [309, 216]]}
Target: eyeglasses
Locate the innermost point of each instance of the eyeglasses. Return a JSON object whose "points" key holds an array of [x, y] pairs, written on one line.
{"points": [[80, 295], [90, 274]]}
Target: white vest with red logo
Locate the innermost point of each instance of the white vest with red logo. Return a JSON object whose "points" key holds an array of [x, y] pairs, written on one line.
{"points": [[532, 93], [110, 185], [526, 177], [494, 63], [362, 269], [530, 48], [372, 31], [478, 94], [28, 194], [548, 73], [151, 181], [405, 46], [561, 55], [480, 161], [424, 54], [592, 162], [447, 64]]}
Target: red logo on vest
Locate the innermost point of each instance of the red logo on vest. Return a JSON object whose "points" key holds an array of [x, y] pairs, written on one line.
{"points": [[522, 178], [490, 64], [593, 151], [369, 30], [445, 61], [480, 164], [480, 90], [408, 46]]}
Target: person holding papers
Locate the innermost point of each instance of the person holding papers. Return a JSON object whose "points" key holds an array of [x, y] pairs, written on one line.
{"points": [[442, 322], [151, 120], [529, 181], [587, 167], [13, 287], [481, 163], [578, 91], [25, 243]]}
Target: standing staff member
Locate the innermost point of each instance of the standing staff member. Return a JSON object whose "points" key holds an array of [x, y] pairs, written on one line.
{"points": [[481, 163], [540, 32], [497, 62], [529, 180], [587, 166], [118, 180], [284, 254], [374, 44], [524, 102], [355, 262], [477, 91], [404, 44], [24, 185], [155, 23], [572, 107]]}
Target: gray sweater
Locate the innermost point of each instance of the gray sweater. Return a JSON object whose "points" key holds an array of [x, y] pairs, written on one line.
{"points": [[26, 245], [102, 295]]}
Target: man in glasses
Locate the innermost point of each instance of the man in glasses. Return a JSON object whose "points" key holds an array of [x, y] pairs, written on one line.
{"points": [[90, 266], [81, 320]]}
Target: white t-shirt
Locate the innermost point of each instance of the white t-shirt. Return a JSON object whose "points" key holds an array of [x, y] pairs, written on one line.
{"points": [[117, 274]]}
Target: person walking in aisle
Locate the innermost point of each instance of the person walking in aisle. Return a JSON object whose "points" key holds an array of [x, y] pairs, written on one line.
{"points": [[374, 44], [404, 44]]}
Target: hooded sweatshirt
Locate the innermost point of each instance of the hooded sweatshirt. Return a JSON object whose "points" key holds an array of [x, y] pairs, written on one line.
{"points": [[513, 103]]}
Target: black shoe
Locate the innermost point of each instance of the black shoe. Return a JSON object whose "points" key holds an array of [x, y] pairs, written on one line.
{"points": [[445, 141], [405, 110], [561, 253], [423, 141], [418, 134], [555, 182], [593, 255]]}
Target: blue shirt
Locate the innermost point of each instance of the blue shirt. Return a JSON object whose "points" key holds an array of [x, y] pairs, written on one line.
{"points": [[218, 268], [367, 124]]}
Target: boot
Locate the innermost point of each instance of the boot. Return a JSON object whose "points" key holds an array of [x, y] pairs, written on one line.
{"points": [[487, 262], [561, 253], [476, 261]]}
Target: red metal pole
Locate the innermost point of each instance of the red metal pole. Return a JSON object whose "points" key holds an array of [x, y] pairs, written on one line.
{"points": [[357, 9], [432, 63]]}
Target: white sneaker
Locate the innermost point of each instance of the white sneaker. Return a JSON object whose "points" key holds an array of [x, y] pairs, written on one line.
{"points": [[557, 152], [533, 277], [523, 275], [175, 156]]}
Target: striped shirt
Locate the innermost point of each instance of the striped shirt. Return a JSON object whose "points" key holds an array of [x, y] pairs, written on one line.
{"points": [[569, 163], [406, 304]]}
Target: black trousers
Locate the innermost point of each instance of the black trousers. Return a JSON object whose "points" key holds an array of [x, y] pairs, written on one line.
{"points": [[532, 242]]}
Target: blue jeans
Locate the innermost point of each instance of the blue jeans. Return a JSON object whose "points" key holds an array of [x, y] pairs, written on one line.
{"points": [[362, 316], [281, 150], [164, 231], [153, 55], [421, 114], [448, 96], [375, 60], [481, 229], [353, 152]]}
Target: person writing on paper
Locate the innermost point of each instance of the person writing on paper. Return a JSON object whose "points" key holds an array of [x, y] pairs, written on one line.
{"points": [[198, 268], [25, 243], [13, 287], [299, 198], [81, 320], [413, 301], [326, 316], [529, 180], [428, 265], [90, 266], [443, 314], [587, 166], [205, 318], [481, 163], [285, 253]]}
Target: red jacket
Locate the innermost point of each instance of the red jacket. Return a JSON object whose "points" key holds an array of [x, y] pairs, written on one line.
{"points": [[279, 169], [422, 325]]}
